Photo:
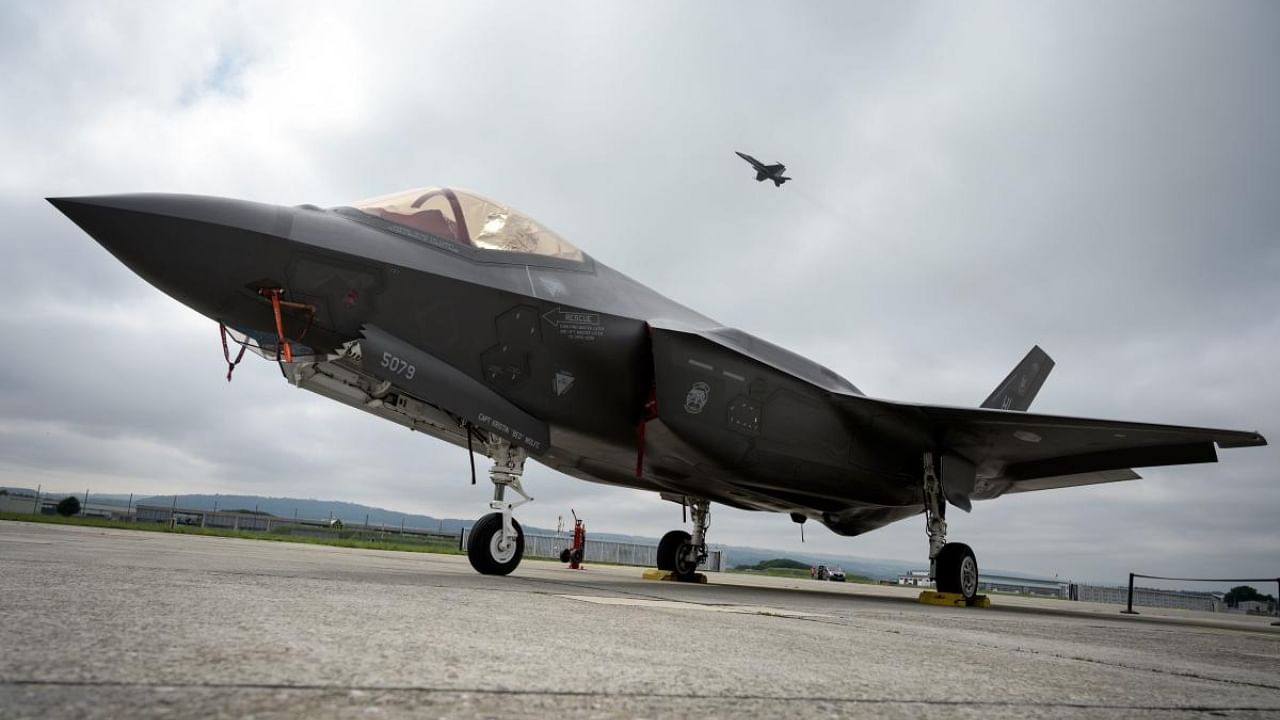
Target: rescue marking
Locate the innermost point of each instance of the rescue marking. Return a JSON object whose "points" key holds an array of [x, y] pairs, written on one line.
{"points": [[575, 324], [674, 605]]}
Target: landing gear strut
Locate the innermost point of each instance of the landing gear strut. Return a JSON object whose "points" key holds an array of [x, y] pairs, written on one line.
{"points": [[952, 566], [682, 553], [496, 543]]}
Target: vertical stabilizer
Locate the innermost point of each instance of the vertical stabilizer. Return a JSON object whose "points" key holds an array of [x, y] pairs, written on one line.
{"points": [[1020, 387]]}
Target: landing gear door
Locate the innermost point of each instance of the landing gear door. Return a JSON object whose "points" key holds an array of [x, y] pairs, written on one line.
{"points": [[430, 379]]}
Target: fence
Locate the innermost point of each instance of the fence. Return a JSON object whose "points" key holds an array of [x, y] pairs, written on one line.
{"points": [[602, 551], [536, 545], [1129, 603], [318, 528], [1147, 597]]}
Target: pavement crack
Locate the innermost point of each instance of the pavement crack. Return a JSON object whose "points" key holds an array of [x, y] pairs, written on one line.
{"points": [[807, 699], [1082, 659]]}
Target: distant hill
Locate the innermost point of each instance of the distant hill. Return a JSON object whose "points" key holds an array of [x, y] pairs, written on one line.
{"points": [[775, 564], [354, 514], [879, 569], [350, 514]]}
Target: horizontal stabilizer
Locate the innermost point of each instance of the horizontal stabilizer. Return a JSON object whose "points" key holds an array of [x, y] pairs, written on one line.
{"points": [[1020, 387], [1066, 481]]}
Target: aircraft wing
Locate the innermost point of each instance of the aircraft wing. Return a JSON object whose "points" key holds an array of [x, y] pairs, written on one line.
{"points": [[998, 451], [727, 392]]}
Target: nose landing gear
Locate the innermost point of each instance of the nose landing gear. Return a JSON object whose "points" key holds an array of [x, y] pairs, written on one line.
{"points": [[681, 553], [952, 566], [496, 543]]}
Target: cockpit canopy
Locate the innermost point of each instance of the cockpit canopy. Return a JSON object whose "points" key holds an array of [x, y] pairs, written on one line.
{"points": [[464, 217]]}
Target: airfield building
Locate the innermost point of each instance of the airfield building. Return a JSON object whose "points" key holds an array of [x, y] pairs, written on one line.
{"points": [[997, 583]]}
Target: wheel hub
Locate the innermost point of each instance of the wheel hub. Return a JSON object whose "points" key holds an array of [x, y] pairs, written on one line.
{"points": [[969, 576], [501, 549], [684, 566]]}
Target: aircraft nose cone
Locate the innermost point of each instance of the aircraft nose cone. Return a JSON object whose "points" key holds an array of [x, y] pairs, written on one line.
{"points": [[179, 243]]}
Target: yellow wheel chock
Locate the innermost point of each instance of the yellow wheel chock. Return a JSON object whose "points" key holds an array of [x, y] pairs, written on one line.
{"points": [[929, 597], [668, 575]]}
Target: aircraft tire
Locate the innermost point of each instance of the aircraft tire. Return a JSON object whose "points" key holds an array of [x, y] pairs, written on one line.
{"points": [[958, 570], [684, 569], [668, 546], [482, 546]]}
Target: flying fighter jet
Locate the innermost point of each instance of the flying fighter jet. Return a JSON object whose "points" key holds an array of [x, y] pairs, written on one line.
{"points": [[766, 172], [459, 317]]}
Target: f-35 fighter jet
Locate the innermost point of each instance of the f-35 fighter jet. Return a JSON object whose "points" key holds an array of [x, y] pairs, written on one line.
{"points": [[766, 172], [459, 317]]}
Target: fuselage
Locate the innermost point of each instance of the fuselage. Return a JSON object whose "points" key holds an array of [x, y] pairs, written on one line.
{"points": [[569, 341], [458, 317]]}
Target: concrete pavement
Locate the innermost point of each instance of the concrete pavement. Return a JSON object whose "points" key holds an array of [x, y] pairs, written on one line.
{"points": [[111, 623]]}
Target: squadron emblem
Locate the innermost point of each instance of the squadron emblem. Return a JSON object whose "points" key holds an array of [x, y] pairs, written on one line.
{"points": [[697, 398]]}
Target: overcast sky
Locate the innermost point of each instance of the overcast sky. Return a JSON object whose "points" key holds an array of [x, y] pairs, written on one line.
{"points": [[969, 179]]}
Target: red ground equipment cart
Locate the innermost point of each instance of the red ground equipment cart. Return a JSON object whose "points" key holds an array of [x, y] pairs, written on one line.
{"points": [[573, 553]]}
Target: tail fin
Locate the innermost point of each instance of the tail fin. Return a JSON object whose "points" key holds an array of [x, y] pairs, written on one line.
{"points": [[777, 182], [1020, 387]]}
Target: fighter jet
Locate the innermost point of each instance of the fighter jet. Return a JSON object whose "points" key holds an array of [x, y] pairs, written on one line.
{"points": [[459, 317], [766, 172]]}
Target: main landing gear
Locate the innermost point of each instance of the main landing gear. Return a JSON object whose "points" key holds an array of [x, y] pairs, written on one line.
{"points": [[681, 553], [952, 566], [496, 543]]}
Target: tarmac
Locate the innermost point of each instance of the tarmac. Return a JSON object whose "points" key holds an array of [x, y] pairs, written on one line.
{"points": [[103, 623]]}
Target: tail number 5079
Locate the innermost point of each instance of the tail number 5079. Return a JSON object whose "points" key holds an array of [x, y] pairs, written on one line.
{"points": [[398, 366]]}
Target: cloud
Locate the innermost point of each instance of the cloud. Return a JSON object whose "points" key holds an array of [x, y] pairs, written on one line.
{"points": [[968, 181]]}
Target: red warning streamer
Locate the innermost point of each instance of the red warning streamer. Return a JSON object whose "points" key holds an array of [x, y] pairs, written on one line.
{"points": [[274, 294], [648, 412], [226, 354]]}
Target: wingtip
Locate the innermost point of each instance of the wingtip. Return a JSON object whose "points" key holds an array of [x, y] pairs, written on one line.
{"points": [[62, 204], [1254, 439]]}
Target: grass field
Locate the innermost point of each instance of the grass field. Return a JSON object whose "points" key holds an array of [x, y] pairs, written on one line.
{"points": [[775, 572], [391, 541], [798, 574]]}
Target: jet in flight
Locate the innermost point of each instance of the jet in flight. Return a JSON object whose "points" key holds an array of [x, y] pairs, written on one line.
{"points": [[766, 172], [459, 317]]}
